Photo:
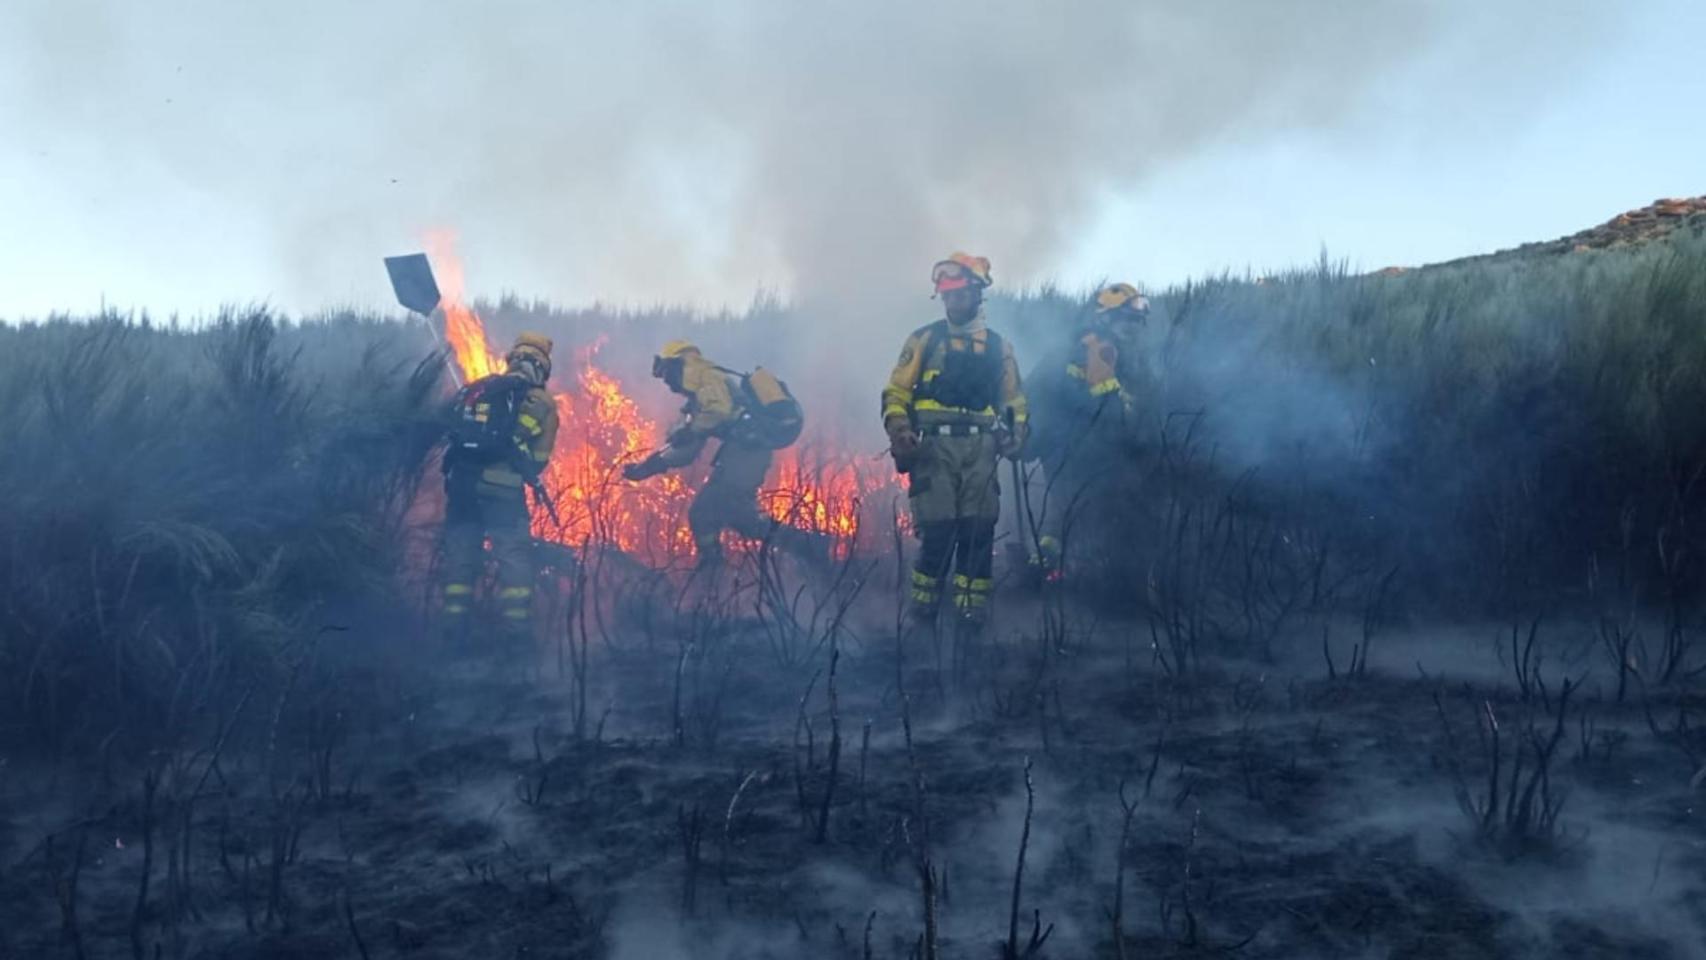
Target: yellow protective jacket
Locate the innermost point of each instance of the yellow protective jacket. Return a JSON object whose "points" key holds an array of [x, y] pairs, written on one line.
{"points": [[709, 410], [710, 404], [900, 395], [1095, 364], [535, 437]]}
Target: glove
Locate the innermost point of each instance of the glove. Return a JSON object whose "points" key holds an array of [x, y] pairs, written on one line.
{"points": [[649, 467], [902, 440], [1013, 441], [903, 443]]}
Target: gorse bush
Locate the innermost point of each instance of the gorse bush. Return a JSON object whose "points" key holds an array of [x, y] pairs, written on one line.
{"points": [[179, 505], [1516, 435], [1508, 436]]}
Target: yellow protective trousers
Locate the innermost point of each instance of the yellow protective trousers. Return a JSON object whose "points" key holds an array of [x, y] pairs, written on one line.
{"points": [[475, 514]]}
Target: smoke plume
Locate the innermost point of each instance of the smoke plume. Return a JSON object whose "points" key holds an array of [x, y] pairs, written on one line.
{"points": [[673, 152]]}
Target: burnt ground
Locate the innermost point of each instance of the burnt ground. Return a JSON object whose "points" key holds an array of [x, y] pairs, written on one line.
{"points": [[438, 808]]}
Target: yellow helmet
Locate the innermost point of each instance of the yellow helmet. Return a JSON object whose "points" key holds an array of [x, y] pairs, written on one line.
{"points": [[671, 359], [676, 348], [531, 348], [960, 270], [537, 341], [1116, 296]]}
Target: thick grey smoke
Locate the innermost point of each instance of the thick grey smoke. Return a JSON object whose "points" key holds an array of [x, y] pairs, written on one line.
{"points": [[677, 151]]}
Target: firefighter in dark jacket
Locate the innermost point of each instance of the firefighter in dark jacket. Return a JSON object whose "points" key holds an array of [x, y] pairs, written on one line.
{"points": [[726, 406], [952, 407], [1094, 377], [504, 427], [1084, 406]]}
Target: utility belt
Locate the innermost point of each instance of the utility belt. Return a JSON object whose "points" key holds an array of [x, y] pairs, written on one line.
{"points": [[956, 430], [941, 422]]}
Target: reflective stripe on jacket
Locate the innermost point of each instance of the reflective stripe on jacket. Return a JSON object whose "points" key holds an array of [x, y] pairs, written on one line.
{"points": [[535, 438], [915, 369]]}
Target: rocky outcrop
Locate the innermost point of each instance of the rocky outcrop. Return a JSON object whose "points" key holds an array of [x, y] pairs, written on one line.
{"points": [[1655, 221], [1638, 226]]}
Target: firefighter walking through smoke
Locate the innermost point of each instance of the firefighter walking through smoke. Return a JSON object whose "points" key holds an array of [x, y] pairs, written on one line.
{"points": [[1084, 405], [752, 415], [502, 430], [952, 407]]}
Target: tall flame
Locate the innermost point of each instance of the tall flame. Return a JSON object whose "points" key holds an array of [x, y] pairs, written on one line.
{"points": [[463, 329], [813, 486]]}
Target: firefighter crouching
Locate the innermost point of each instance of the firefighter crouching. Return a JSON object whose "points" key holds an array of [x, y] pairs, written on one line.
{"points": [[952, 407], [502, 430], [752, 415]]}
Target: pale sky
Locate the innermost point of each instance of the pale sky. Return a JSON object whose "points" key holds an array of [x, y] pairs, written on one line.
{"points": [[178, 154]]}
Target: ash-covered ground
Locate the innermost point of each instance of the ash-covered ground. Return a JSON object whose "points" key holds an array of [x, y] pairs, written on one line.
{"points": [[704, 776]]}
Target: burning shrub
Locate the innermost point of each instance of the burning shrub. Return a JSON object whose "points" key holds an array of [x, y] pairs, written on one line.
{"points": [[608, 420]]}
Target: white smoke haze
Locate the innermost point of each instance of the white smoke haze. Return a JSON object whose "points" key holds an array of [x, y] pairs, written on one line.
{"points": [[678, 152]]}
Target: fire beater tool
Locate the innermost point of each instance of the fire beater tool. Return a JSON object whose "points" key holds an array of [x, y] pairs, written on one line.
{"points": [[417, 290]]}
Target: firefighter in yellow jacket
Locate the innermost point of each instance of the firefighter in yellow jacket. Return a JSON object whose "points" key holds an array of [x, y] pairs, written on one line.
{"points": [[952, 407], [503, 428], [752, 416]]}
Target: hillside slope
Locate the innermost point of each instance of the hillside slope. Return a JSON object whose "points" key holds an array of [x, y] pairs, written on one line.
{"points": [[1660, 220]]}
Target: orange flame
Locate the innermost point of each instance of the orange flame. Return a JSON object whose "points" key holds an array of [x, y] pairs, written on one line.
{"points": [[462, 327], [600, 429]]}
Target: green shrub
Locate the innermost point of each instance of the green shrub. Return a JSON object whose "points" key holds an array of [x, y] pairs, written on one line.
{"points": [[1514, 433], [179, 503]]}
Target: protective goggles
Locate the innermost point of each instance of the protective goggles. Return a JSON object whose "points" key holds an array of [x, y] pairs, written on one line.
{"points": [[541, 365], [949, 275]]}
